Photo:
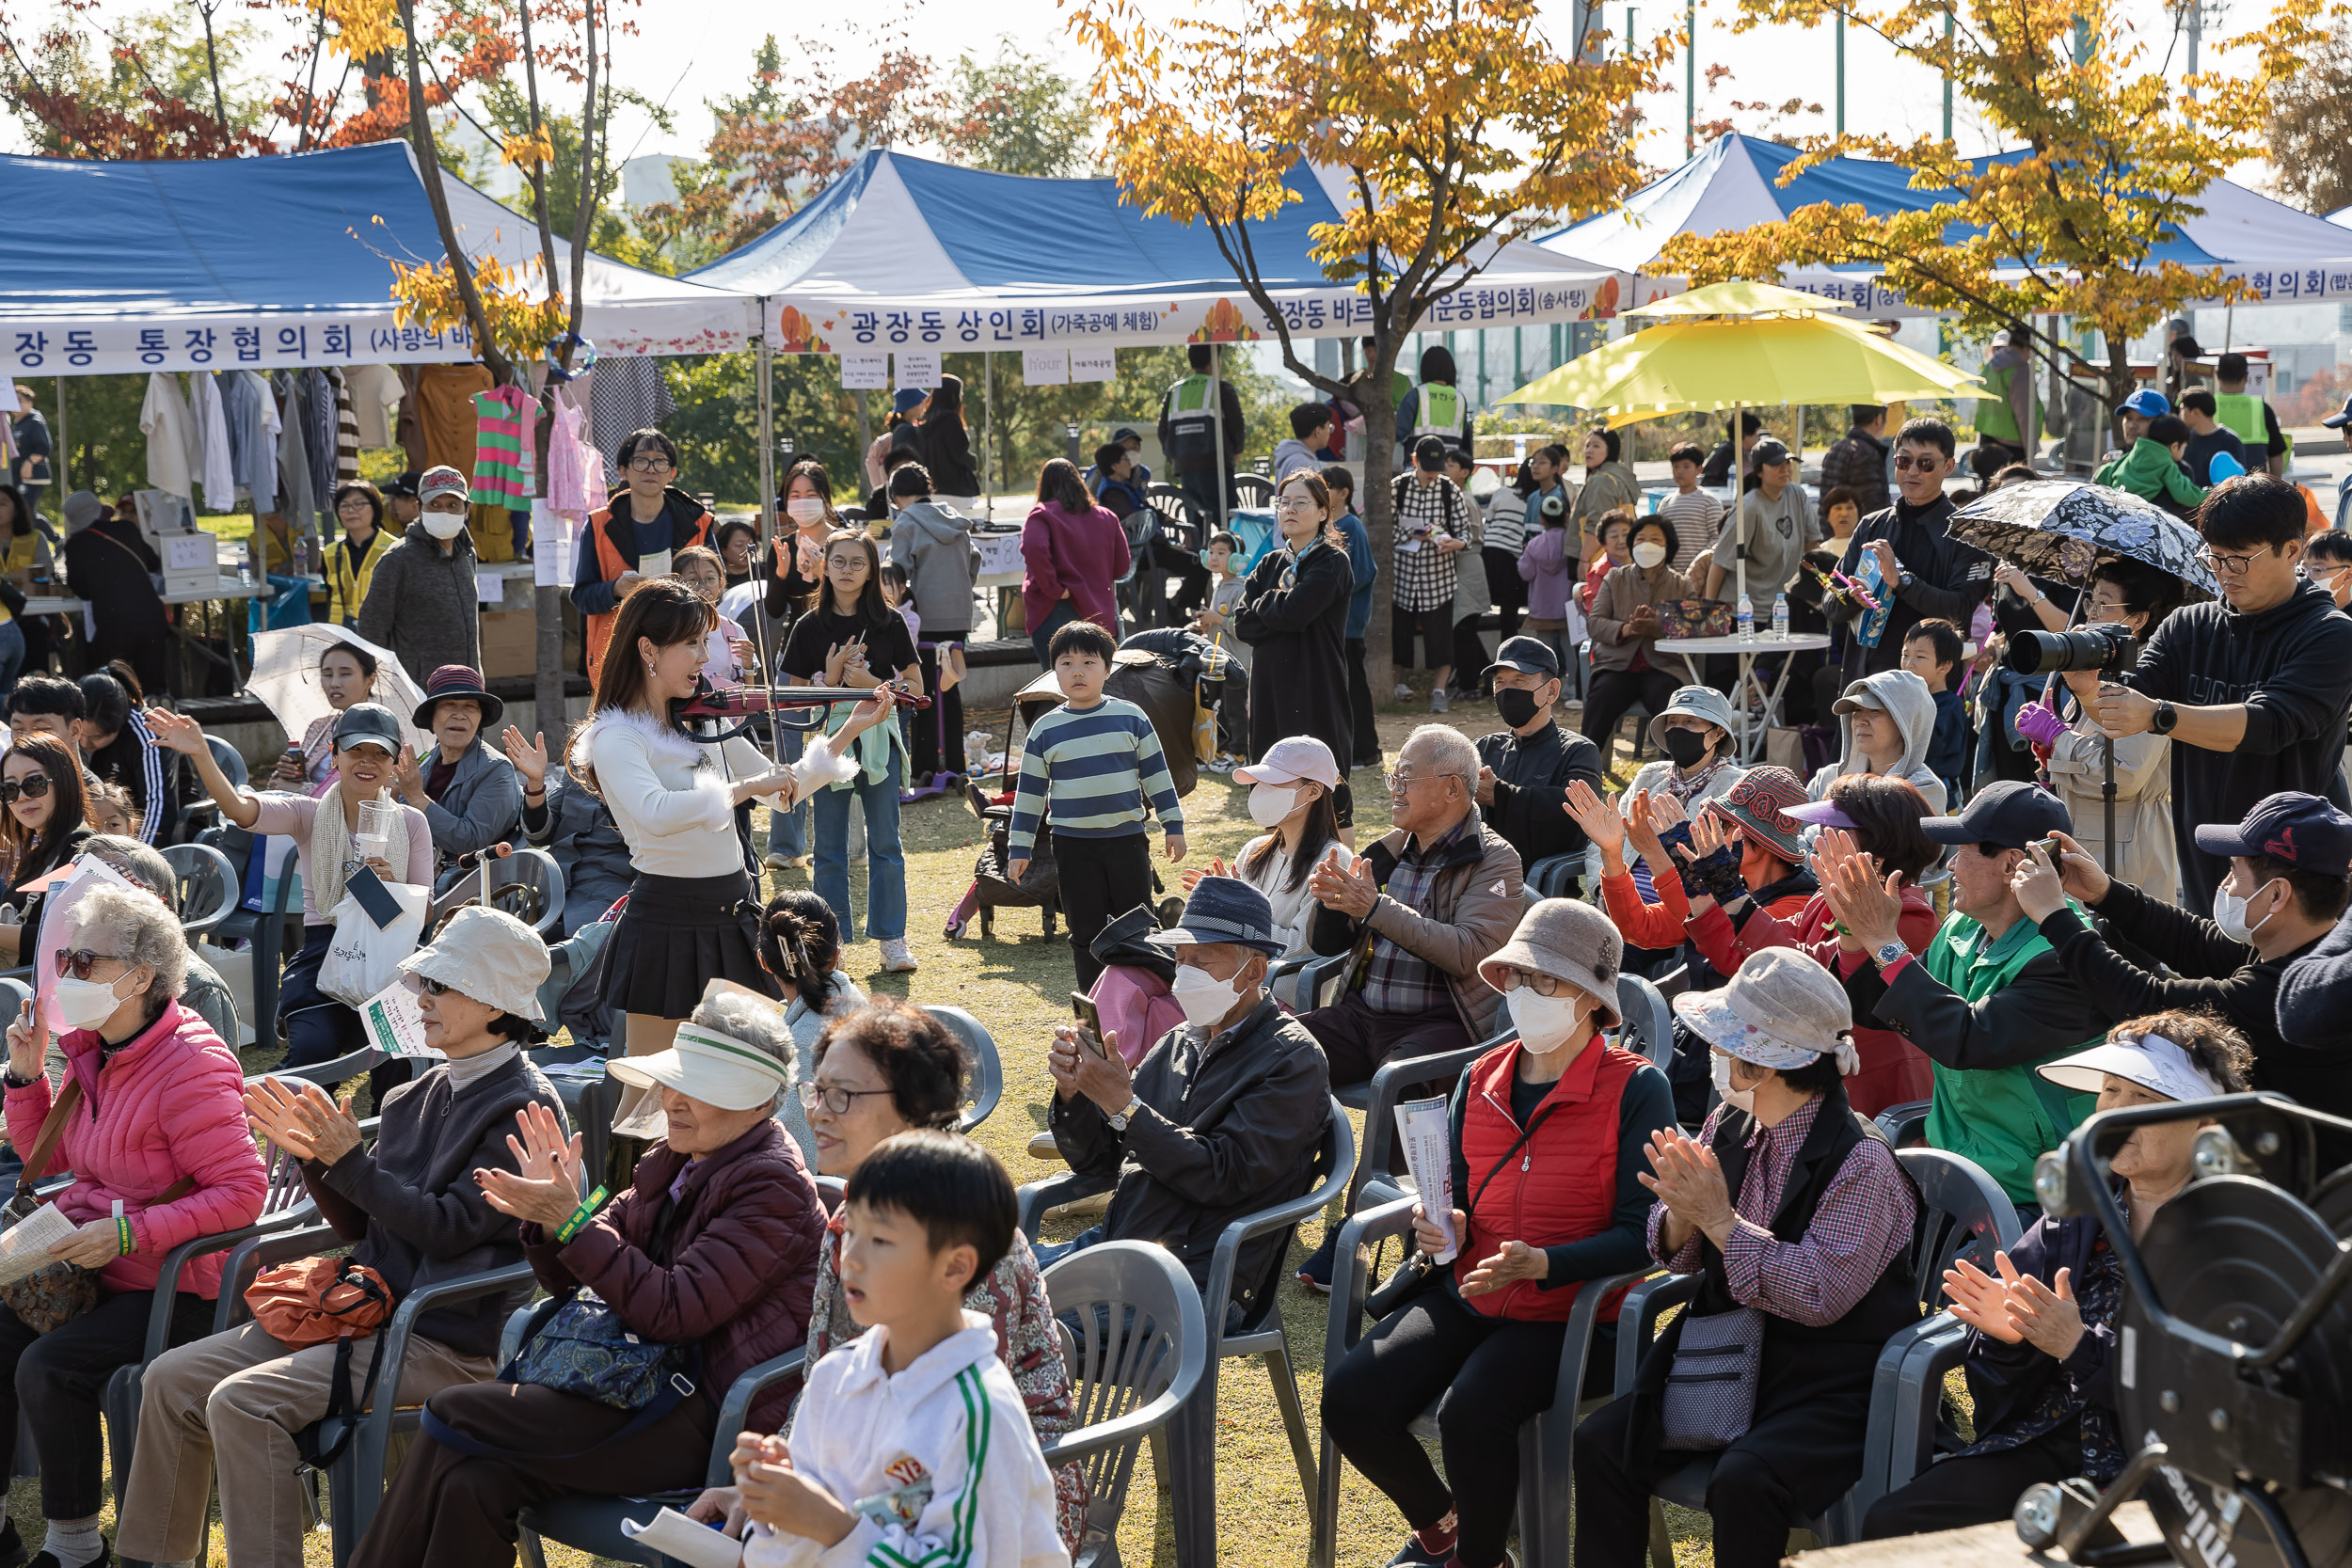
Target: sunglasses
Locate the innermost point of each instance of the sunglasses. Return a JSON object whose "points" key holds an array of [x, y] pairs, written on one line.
{"points": [[31, 789], [77, 963], [436, 988], [1904, 463]]}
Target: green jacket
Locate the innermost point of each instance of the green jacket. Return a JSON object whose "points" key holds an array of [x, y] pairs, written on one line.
{"points": [[2149, 473], [1986, 1013]]}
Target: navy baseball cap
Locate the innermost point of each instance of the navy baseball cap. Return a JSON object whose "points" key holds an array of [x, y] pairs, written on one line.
{"points": [[1223, 910], [1529, 656], [905, 398], [368, 724], [2302, 829], [2009, 813], [2147, 402]]}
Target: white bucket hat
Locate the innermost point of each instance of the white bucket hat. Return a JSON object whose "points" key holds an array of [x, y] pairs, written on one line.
{"points": [[2153, 1062], [1782, 1010], [490, 956], [702, 1064]]}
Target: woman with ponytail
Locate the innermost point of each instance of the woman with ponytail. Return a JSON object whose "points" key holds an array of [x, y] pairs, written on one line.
{"points": [[800, 943]]}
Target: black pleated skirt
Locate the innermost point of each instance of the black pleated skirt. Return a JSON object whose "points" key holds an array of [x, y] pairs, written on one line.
{"points": [[679, 934]]}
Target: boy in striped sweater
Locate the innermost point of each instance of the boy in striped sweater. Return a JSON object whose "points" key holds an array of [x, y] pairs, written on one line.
{"points": [[1090, 769]]}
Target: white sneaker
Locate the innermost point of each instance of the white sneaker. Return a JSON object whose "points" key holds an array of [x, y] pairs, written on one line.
{"points": [[897, 957], [1402, 692]]}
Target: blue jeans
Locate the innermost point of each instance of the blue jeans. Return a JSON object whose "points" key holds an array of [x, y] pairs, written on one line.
{"points": [[787, 831], [1041, 635], [885, 860], [11, 655]]}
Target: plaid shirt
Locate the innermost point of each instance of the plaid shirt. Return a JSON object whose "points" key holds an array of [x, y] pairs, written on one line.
{"points": [[1864, 1219], [1424, 574], [1397, 981]]}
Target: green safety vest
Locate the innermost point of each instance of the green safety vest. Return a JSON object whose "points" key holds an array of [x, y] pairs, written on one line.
{"points": [[2001, 1118], [1440, 410], [1996, 420], [2242, 413], [1191, 419]]}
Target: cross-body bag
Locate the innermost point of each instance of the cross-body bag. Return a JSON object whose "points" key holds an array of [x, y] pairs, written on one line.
{"points": [[1710, 1388], [586, 1351], [309, 1302], [53, 1296]]}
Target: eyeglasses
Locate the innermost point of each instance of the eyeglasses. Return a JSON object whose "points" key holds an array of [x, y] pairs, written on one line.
{"points": [[2233, 564], [32, 788], [649, 465], [1905, 463], [834, 1101], [1400, 781], [1542, 985], [1293, 503], [77, 963]]}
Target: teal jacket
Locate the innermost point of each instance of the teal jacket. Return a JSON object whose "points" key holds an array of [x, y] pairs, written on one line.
{"points": [[2149, 473]]}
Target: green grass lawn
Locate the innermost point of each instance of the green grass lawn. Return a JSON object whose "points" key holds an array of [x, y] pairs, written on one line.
{"points": [[1019, 984]]}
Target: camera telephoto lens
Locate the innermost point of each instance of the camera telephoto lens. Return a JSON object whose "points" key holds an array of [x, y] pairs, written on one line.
{"points": [[2107, 647]]}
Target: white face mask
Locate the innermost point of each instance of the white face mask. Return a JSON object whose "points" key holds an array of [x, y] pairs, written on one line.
{"points": [[805, 509], [1742, 1098], [2229, 912], [1204, 998], [444, 525], [1271, 803], [86, 1003], [1648, 554], [1544, 1023]]}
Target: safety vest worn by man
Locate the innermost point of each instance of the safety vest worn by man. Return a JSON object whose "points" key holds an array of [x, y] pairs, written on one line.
{"points": [[2242, 413], [1441, 411], [1192, 421], [1996, 420]]}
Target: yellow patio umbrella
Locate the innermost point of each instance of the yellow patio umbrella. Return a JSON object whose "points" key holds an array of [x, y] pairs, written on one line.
{"points": [[1689, 365], [1740, 296]]}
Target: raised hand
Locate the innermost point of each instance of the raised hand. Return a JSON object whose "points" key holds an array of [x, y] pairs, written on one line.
{"points": [[1599, 820], [2035, 881], [175, 731], [531, 761]]}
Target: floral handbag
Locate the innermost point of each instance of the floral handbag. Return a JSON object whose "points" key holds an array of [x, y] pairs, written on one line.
{"points": [[586, 1351]]}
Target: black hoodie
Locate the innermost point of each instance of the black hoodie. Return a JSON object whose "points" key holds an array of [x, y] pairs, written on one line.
{"points": [[2291, 666]]}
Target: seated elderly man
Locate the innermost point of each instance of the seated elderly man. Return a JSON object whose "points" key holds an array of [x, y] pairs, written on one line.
{"points": [[204, 992], [413, 1210], [1416, 914], [1988, 1001], [1223, 1115], [467, 791]]}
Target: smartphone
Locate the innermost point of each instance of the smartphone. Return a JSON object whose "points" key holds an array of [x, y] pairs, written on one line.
{"points": [[1089, 1023], [2049, 847]]}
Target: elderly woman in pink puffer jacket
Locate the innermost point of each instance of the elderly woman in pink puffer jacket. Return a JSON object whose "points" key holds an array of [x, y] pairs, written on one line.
{"points": [[160, 1155]]}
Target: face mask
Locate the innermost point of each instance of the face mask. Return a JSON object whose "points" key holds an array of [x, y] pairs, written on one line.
{"points": [[1518, 707], [86, 1003], [1741, 1098], [1204, 998], [1648, 554], [444, 525], [805, 509], [1544, 1023], [2229, 912], [1685, 746], [1271, 803]]}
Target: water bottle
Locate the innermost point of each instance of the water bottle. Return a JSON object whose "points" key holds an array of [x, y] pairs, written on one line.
{"points": [[1747, 618], [1780, 618]]}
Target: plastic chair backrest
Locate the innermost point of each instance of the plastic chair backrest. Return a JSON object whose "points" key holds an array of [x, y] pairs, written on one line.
{"points": [[1963, 1212], [1333, 1169], [1902, 1123], [208, 885], [225, 755], [1139, 1346], [987, 1086], [1648, 1026]]}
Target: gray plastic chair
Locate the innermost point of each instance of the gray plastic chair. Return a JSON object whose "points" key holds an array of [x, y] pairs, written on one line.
{"points": [[208, 886], [988, 1070], [1648, 1022], [1904, 1122], [1962, 1211], [1545, 1443], [1554, 877], [263, 929], [539, 904]]}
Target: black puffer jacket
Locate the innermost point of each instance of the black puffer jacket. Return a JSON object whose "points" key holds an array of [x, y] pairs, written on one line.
{"points": [[1227, 1127]]}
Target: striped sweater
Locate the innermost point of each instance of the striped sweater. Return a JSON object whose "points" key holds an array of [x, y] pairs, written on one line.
{"points": [[1087, 772]]}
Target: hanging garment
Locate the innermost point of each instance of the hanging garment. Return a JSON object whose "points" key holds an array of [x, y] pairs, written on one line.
{"points": [[173, 455], [298, 501], [376, 391], [253, 431], [575, 468], [318, 434], [505, 428], [346, 429], [624, 397], [212, 424], [444, 415]]}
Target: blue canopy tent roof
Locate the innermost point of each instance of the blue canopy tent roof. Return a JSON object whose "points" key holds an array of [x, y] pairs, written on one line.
{"points": [[903, 252], [1733, 182], [274, 261]]}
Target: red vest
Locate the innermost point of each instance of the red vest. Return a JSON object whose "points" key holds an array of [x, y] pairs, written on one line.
{"points": [[1561, 1185]]}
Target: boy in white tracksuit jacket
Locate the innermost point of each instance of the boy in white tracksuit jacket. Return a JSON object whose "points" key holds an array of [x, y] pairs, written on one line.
{"points": [[939, 1461]]}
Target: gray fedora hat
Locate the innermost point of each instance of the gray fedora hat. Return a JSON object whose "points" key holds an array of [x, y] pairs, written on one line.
{"points": [[1575, 941]]}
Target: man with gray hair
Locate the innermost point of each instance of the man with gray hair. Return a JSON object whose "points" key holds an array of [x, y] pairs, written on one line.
{"points": [[204, 992], [1416, 914]]}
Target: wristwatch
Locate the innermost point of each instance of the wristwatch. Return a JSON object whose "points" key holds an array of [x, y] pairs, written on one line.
{"points": [[1125, 1113], [2165, 716], [1890, 955]]}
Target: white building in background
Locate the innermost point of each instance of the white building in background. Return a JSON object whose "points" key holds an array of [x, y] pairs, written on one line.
{"points": [[648, 179]]}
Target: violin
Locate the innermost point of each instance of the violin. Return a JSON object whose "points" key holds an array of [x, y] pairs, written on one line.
{"points": [[732, 708]]}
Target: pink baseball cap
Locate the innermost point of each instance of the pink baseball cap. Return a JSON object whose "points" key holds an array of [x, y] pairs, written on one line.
{"points": [[1290, 759]]}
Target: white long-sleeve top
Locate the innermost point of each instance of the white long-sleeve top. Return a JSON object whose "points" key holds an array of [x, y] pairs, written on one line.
{"points": [[939, 1462], [673, 798]]}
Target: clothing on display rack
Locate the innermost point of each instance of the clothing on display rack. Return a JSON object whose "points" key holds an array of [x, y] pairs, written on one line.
{"points": [[173, 454], [575, 468], [253, 428], [436, 418], [374, 390], [505, 429], [346, 431], [625, 396], [219, 471], [318, 435], [297, 501]]}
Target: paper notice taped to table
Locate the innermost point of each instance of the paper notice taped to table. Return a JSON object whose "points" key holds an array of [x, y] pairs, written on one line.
{"points": [[394, 1022], [1428, 1142], [673, 1534], [24, 1245]]}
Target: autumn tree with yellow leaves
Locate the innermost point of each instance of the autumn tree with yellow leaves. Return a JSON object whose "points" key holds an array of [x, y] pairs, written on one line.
{"points": [[1450, 128], [2111, 157]]}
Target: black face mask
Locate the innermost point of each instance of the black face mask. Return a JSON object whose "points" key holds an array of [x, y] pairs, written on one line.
{"points": [[1685, 746], [1516, 706]]}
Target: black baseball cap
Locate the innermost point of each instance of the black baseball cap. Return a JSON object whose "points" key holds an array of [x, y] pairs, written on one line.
{"points": [[405, 485], [1429, 454], [1529, 656], [2009, 813], [1125, 433], [2302, 829], [1770, 452]]}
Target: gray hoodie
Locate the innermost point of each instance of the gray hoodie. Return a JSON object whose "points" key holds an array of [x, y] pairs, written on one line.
{"points": [[1905, 696], [934, 545]]}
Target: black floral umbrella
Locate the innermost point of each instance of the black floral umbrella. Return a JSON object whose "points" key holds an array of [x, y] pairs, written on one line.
{"points": [[2063, 528]]}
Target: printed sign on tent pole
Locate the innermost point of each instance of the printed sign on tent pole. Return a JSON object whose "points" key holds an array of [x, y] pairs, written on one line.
{"points": [[1093, 364], [1045, 367], [919, 368], [869, 372]]}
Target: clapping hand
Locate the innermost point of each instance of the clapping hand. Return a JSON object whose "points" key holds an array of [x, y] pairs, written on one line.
{"points": [[1689, 1180], [1192, 877], [1347, 889], [543, 1189], [1866, 908], [301, 1121], [1513, 1262], [531, 761], [1647, 816], [1981, 1301], [1599, 820], [2017, 1308]]}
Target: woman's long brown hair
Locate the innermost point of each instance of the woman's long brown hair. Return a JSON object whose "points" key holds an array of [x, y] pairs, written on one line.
{"points": [[31, 855], [665, 613]]}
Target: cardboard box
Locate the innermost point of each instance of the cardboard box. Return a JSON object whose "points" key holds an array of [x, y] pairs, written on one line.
{"points": [[191, 555], [510, 642]]}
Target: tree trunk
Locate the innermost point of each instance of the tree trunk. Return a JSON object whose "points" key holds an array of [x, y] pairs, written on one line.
{"points": [[1379, 406]]}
